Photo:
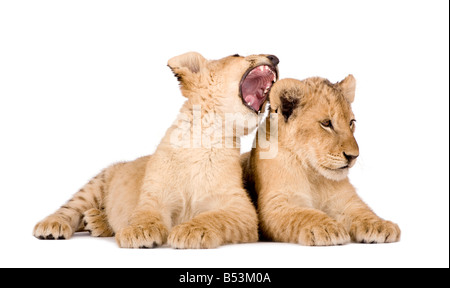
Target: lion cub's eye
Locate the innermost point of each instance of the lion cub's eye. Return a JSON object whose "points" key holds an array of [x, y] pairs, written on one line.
{"points": [[326, 123], [352, 123]]}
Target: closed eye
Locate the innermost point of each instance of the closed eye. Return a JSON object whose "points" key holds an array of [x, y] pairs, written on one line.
{"points": [[352, 123]]}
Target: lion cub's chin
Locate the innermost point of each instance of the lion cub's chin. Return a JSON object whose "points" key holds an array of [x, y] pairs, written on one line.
{"points": [[333, 174]]}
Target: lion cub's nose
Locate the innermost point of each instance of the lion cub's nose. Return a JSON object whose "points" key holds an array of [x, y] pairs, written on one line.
{"points": [[350, 158], [274, 59]]}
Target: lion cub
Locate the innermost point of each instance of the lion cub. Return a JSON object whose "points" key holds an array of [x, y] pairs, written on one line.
{"points": [[189, 193], [303, 193]]}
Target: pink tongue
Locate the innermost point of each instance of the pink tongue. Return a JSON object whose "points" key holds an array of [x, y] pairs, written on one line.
{"points": [[253, 93], [254, 101], [254, 85]]}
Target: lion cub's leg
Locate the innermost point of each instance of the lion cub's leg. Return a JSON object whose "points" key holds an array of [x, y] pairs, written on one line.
{"points": [[148, 225], [96, 222], [234, 222], [285, 222], [362, 223], [150, 222], [67, 219]]}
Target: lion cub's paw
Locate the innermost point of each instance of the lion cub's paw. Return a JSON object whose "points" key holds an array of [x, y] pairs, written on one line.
{"points": [[380, 231], [141, 236], [96, 222], [324, 234], [191, 236], [53, 227]]}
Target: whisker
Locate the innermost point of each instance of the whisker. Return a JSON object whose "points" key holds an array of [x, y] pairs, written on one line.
{"points": [[334, 157]]}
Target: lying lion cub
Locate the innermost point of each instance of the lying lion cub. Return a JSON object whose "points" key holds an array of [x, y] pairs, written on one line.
{"points": [[303, 193], [189, 193]]}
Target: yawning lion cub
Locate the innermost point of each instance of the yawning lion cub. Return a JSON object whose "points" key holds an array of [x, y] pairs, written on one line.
{"points": [[303, 193], [189, 193]]}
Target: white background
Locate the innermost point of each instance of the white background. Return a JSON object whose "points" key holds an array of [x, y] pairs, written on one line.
{"points": [[84, 84]]}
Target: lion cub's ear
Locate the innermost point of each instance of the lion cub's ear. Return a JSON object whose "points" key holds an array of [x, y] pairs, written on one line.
{"points": [[348, 86], [285, 97], [187, 68], [191, 62]]}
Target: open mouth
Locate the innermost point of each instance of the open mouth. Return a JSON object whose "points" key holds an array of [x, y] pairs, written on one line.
{"points": [[256, 84]]}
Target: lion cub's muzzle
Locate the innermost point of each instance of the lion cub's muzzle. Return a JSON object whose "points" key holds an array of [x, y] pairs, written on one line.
{"points": [[257, 82]]}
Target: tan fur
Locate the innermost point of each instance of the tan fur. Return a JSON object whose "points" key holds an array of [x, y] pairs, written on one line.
{"points": [[189, 198], [302, 195]]}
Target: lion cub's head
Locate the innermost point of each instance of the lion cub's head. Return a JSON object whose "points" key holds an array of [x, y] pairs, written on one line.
{"points": [[316, 122], [244, 80], [231, 85]]}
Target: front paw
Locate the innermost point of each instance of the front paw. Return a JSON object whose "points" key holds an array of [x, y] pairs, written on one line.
{"points": [[327, 233], [378, 231], [192, 236], [141, 236]]}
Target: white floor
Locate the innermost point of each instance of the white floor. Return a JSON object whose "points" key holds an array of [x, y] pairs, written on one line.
{"points": [[23, 250]]}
